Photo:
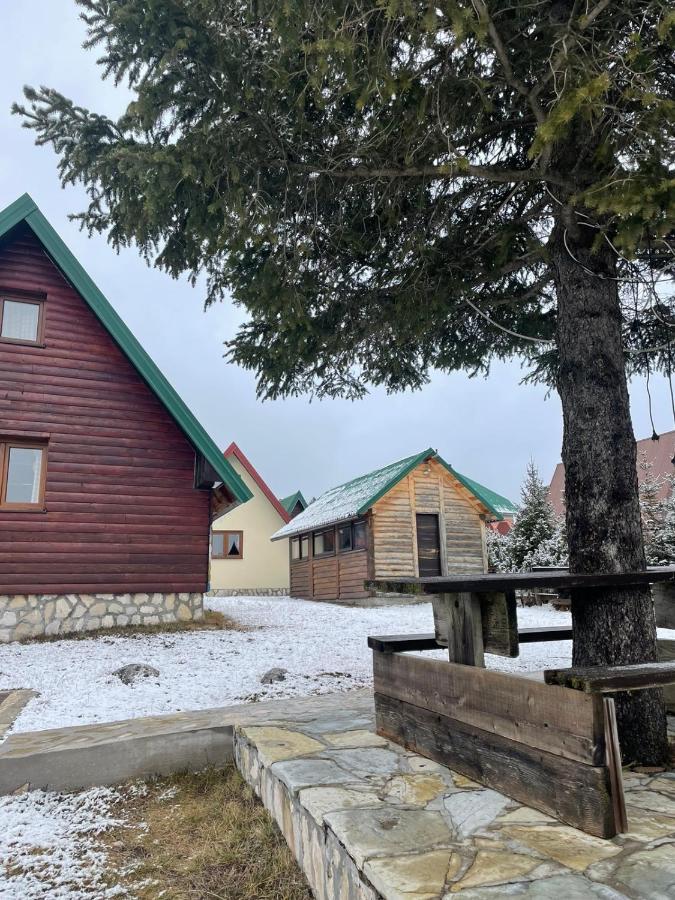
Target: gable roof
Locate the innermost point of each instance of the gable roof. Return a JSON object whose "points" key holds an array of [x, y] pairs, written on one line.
{"points": [[234, 451], [290, 502], [25, 210], [356, 497]]}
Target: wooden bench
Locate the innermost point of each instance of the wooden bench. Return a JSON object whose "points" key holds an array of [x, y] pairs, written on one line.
{"points": [[549, 746]]}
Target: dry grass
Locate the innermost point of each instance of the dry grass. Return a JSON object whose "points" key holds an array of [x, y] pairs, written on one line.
{"points": [[200, 836], [212, 621]]}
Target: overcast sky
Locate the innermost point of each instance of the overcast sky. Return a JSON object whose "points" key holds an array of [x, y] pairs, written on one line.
{"points": [[487, 429]]}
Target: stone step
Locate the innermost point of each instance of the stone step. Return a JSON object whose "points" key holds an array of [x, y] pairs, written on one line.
{"points": [[113, 752]]}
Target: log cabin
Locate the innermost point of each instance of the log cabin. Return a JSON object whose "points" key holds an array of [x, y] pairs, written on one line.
{"points": [[414, 517], [108, 484]]}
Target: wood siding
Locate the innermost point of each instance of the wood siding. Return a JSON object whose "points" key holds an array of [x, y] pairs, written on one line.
{"points": [[121, 511], [339, 576], [428, 489]]}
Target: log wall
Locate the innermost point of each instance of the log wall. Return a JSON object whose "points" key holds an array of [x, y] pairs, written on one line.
{"points": [[430, 488], [121, 511]]}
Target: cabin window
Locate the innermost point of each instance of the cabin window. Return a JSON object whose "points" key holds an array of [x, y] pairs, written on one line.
{"points": [[345, 539], [227, 545], [300, 547], [359, 536], [352, 537], [20, 321], [324, 542], [22, 475]]}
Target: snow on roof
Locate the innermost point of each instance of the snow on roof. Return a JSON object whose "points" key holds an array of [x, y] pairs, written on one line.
{"points": [[346, 501]]}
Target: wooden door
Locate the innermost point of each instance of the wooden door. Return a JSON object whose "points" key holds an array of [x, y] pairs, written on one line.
{"points": [[428, 544]]}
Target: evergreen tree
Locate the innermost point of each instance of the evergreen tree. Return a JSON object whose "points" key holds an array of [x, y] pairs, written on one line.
{"points": [[538, 536], [651, 509], [391, 186], [535, 522], [552, 552]]}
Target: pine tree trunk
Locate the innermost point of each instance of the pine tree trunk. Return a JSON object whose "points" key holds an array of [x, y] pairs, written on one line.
{"points": [[613, 627]]}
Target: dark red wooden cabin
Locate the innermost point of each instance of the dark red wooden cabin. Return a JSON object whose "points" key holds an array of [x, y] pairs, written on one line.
{"points": [[107, 482]]}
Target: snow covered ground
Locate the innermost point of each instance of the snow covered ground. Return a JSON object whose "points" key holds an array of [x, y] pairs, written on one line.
{"points": [[49, 845], [323, 647]]}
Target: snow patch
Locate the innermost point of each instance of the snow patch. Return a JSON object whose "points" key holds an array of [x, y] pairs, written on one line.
{"points": [[49, 845]]}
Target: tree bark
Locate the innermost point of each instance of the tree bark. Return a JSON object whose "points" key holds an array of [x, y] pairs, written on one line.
{"points": [[615, 626]]}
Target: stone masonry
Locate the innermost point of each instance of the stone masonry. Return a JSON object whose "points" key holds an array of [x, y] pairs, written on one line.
{"points": [[368, 820], [30, 615]]}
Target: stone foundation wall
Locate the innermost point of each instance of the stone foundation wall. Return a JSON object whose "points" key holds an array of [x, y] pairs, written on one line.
{"points": [[249, 592], [31, 615]]}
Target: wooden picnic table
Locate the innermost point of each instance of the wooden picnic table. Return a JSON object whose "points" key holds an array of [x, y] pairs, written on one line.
{"points": [[518, 581], [553, 745]]}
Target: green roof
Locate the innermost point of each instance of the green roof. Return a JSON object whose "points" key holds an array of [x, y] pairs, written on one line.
{"points": [[25, 210], [289, 503], [491, 498], [356, 497]]}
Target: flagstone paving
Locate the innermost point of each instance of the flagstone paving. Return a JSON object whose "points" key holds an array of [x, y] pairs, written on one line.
{"points": [[367, 819], [11, 704]]}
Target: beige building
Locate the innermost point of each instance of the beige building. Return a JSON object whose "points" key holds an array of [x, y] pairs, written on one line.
{"points": [[243, 558]]}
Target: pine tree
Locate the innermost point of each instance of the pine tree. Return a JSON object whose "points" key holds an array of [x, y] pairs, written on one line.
{"points": [[394, 187], [661, 546], [538, 536], [651, 509], [535, 522]]}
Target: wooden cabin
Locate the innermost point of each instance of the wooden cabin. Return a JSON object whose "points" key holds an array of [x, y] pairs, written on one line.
{"points": [[108, 484], [417, 516]]}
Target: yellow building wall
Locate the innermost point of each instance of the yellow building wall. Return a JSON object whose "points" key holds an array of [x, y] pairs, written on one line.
{"points": [[265, 565]]}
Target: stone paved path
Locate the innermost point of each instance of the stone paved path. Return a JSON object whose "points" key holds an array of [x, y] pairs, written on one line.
{"points": [[11, 704], [367, 819]]}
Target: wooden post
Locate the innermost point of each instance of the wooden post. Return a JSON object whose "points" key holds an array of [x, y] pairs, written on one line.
{"points": [[664, 604], [613, 763], [464, 627]]}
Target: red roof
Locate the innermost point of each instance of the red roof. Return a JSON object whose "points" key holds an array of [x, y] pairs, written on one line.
{"points": [[658, 453], [234, 450]]}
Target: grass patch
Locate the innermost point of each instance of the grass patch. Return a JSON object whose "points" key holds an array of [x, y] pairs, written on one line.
{"points": [[202, 835], [212, 621]]}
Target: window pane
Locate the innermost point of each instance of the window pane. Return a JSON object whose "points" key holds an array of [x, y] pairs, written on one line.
{"points": [[345, 538], [295, 548], [217, 544], [20, 320], [360, 536], [324, 542], [233, 544], [23, 475], [304, 544]]}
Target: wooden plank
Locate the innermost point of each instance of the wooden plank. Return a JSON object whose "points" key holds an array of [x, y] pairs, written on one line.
{"points": [[448, 584], [403, 643], [664, 605], [571, 791], [566, 723], [465, 630], [537, 635], [613, 763], [609, 679], [666, 652], [499, 622], [406, 643]]}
